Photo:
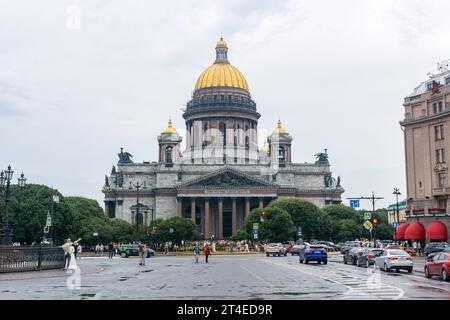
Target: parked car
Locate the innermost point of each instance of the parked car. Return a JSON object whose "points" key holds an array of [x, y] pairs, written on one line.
{"points": [[128, 250], [352, 254], [433, 247], [438, 265], [276, 249], [394, 259], [295, 249], [348, 245], [313, 253], [367, 257]]}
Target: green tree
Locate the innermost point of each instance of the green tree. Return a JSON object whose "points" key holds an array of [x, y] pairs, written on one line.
{"points": [[276, 226], [182, 229], [303, 213]]}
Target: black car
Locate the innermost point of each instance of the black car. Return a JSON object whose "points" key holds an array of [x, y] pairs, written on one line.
{"points": [[367, 257], [295, 249], [435, 247], [128, 250], [351, 256]]}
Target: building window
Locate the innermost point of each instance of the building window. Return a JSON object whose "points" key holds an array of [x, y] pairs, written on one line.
{"points": [[430, 86], [169, 155], [440, 156], [435, 109], [442, 180], [420, 184], [439, 132], [440, 108]]}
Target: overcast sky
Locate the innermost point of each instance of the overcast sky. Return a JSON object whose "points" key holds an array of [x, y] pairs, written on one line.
{"points": [[80, 79]]}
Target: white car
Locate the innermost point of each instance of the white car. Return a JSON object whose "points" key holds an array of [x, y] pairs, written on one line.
{"points": [[394, 259], [276, 249]]}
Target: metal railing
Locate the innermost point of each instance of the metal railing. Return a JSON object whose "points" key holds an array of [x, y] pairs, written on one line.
{"points": [[30, 258]]}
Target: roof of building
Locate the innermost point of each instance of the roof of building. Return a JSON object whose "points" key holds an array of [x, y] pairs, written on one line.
{"points": [[441, 76], [279, 129], [170, 128]]}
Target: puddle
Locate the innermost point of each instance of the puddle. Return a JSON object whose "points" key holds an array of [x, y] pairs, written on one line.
{"points": [[123, 279], [150, 270], [87, 295]]}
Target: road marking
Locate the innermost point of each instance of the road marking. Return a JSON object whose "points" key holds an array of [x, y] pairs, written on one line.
{"points": [[258, 277], [357, 287]]}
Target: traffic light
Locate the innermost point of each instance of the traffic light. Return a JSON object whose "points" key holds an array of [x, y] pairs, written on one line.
{"points": [[375, 220]]}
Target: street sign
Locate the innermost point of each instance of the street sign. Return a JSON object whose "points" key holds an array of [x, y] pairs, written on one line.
{"points": [[255, 226], [56, 198], [299, 231], [354, 203], [394, 224], [255, 231], [367, 225], [367, 215], [255, 236]]}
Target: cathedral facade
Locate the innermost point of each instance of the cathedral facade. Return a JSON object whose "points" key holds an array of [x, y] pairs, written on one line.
{"points": [[222, 173]]}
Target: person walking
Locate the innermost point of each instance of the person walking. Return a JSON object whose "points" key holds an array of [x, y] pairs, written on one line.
{"points": [[67, 248], [110, 250], [419, 247], [206, 252], [142, 253], [75, 247], [246, 247], [79, 250], [196, 252], [415, 247]]}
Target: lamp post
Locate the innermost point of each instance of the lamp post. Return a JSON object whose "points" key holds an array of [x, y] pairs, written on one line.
{"points": [[397, 193], [137, 186], [5, 188]]}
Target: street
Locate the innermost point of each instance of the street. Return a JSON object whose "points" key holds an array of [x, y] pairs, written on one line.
{"points": [[224, 277]]}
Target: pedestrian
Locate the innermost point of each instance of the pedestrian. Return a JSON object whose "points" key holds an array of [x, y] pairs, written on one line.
{"points": [[415, 246], [110, 250], [142, 252], [196, 252], [75, 247], [66, 248], [246, 247], [206, 252], [79, 250], [166, 248], [419, 247], [238, 246], [114, 249]]}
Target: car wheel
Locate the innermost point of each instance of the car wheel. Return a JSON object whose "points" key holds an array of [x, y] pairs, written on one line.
{"points": [[397, 270], [445, 276], [325, 262], [123, 255], [410, 270], [301, 260], [345, 261], [353, 261], [306, 261], [427, 273], [386, 269], [267, 254]]}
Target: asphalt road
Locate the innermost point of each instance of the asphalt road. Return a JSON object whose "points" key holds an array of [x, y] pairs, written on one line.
{"points": [[224, 277]]}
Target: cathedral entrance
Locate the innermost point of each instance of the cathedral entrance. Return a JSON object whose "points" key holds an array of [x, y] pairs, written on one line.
{"points": [[227, 226]]}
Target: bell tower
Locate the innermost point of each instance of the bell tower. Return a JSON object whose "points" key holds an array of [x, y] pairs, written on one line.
{"points": [[280, 145], [169, 146]]}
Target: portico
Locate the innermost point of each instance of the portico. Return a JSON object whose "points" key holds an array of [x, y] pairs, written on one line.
{"points": [[220, 201]]}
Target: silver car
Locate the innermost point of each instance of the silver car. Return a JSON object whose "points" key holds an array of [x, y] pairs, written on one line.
{"points": [[276, 249], [394, 259]]}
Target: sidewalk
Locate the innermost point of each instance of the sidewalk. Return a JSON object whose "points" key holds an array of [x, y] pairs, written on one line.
{"points": [[54, 273], [419, 263]]}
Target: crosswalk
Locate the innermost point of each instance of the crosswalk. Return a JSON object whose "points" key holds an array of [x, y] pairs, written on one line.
{"points": [[359, 286]]}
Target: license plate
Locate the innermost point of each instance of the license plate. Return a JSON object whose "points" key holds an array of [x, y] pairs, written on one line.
{"points": [[317, 252]]}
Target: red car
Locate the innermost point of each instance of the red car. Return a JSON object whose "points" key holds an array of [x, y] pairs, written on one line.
{"points": [[438, 265]]}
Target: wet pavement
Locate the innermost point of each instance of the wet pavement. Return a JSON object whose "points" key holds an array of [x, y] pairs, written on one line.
{"points": [[224, 277]]}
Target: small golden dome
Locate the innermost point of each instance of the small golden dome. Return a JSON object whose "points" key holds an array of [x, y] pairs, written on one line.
{"points": [[221, 43], [170, 128], [279, 128]]}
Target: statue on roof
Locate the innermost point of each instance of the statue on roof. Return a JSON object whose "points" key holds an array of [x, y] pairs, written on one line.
{"points": [[124, 157], [322, 158]]}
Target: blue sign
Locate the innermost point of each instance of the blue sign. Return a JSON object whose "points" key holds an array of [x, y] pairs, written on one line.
{"points": [[395, 224], [354, 203], [255, 231], [299, 231]]}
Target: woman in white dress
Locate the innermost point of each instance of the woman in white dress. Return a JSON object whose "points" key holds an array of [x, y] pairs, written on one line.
{"points": [[73, 263]]}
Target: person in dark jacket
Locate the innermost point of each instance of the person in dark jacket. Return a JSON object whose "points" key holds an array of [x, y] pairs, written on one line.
{"points": [[206, 252]]}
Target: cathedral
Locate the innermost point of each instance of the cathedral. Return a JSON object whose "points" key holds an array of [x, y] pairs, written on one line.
{"points": [[222, 173]]}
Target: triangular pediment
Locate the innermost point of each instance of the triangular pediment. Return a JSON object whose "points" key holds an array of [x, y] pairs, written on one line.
{"points": [[227, 178]]}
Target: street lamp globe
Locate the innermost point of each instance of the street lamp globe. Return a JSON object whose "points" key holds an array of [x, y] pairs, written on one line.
{"points": [[21, 180], [2, 179], [9, 173]]}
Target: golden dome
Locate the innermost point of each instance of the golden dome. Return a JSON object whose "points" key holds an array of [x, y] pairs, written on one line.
{"points": [[170, 128], [279, 128], [221, 73], [221, 43]]}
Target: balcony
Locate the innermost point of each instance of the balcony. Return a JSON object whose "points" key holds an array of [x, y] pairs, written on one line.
{"points": [[441, 191], [432, 212]]}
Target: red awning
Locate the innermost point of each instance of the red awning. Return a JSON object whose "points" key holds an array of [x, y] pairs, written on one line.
{"points": [[415, 231], [400, 231], [437, 231]]}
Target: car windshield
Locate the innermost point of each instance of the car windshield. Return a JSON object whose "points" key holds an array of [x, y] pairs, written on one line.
{"points": [[398, 253], [316, 247], [273, 244]]}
